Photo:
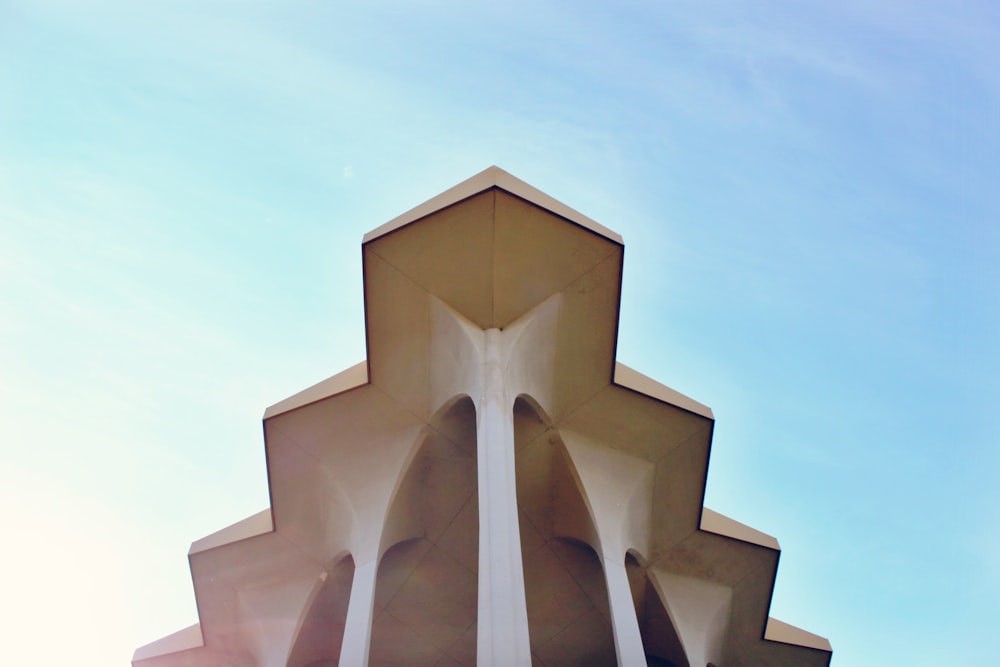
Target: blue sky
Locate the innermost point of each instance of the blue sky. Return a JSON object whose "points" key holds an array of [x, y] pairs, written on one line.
{"points": [[808, 197]]}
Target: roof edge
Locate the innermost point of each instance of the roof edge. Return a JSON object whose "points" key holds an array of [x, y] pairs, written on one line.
{"points": [[786, 633], [260, 523], [345, 380], [630, 378], [720, 524], [182, 640], [488, 178]]}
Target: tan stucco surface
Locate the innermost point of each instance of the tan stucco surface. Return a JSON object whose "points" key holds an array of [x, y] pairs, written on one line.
{"points": [[489, 487]]}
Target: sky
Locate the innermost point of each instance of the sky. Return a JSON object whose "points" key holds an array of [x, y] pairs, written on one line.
{"points": [[808, 197]]}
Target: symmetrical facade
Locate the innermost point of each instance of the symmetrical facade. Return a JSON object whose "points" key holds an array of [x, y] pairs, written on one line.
{"points": [[490, 487]]}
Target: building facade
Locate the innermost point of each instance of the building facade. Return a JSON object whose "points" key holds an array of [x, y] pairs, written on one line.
{"points": [[490, 487]]}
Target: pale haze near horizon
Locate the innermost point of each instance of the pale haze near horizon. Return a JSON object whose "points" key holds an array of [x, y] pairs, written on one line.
{"points": [[807, 195]]}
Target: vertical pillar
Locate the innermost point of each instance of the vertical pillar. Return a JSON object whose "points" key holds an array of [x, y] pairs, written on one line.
{"points": [[358, 626], [502, 639], [628, 640]]}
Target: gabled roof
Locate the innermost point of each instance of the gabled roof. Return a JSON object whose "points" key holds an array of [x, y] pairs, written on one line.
{"points": [[489, 178]]}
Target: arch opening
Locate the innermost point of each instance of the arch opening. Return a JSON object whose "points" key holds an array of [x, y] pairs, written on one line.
{"points": [[568, 614], [321, 630], [660, 640], [426, 586]]}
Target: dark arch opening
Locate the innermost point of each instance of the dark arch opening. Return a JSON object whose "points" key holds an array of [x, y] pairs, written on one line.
{"points": [[568, 615], [321, 633], [660, 642], [426, 588]]}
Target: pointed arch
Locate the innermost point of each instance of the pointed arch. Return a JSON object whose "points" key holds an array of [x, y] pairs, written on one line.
{"points": [[320, 630], [568, 616], [425, 588]]}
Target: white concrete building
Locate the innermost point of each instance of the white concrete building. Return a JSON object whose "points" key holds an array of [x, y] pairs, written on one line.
{"points": [[490, 487]]}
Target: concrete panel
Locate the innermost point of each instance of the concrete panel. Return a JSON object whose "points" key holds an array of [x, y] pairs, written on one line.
{"points": [[397, 565], [719, 559], [438, 600], [617, 489], [585, 345], [394, 644], [534, 484], [553, 596], [700, 612], [455, 356], [635, 424], [460, 539], [321, 628], [659, 636], [448, 254], [463, 651], [538, 254], [678, 490], [585, 641], [310, 509], [397, 313], [270, 611]]}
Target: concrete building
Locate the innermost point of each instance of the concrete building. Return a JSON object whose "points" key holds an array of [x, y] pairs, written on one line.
{"points": [[490, 487]]}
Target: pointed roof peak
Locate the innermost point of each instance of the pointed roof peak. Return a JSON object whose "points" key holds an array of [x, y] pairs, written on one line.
{"points": [[492, 177]]}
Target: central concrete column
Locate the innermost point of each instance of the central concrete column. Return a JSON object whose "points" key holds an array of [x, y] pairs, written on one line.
{"points": [[628, 640], [502, 639], [358, 626]]}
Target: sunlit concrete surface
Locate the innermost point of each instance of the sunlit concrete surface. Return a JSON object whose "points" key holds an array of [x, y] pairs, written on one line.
{"points": [[490, 487]]}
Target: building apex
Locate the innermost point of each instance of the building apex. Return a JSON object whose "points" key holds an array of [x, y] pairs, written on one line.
{"points": [[492, 177]]}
